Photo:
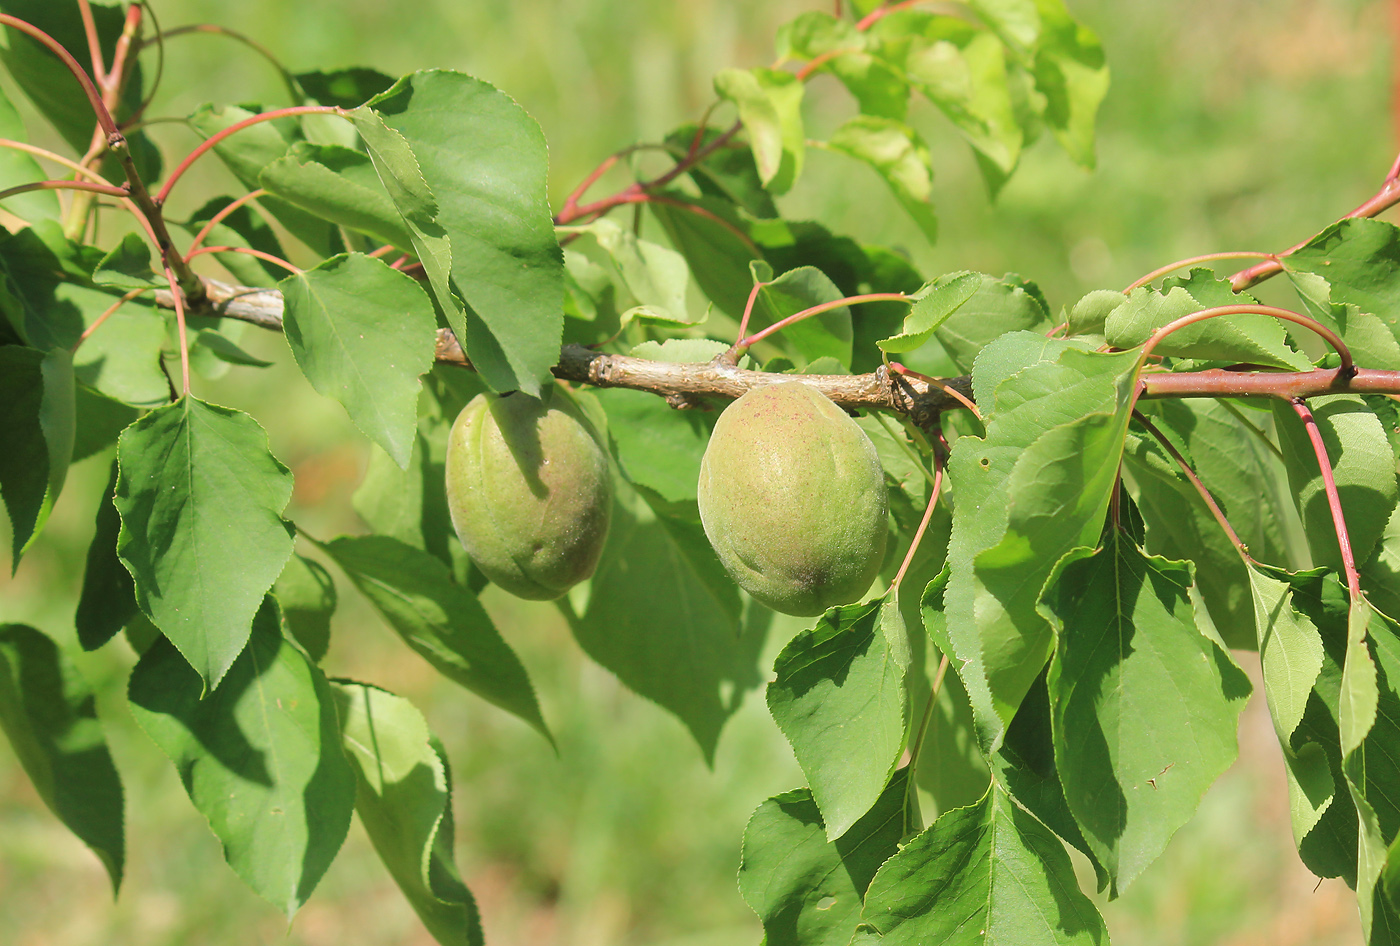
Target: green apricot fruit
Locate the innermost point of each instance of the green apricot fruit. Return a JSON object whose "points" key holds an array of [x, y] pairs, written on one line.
{"points": [[529, 491], [792, 497]]}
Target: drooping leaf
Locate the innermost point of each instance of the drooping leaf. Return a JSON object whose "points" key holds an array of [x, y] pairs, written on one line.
{"points": [[808, 890], [36, 428], [108, 598], [1071, 72], [982, 875], [202, 533], [1358, 260], [839, 700], [306, 599], [770, 106], [337, 184], [260, 757], [662, 614], [48, 712], [440, 620], [483, 160], [363, 334], [1362, 466], [898, 154], [1144, 705], [404, 800]]}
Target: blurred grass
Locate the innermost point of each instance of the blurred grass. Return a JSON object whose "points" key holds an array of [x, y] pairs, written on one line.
{"points": [[1229, 125]]}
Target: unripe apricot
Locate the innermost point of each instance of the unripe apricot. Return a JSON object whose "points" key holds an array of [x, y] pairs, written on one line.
{"points": [[529, 491], [792, 497]]}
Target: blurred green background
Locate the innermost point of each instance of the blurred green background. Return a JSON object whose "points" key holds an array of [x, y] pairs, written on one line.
{"points": [[1230, 124]]}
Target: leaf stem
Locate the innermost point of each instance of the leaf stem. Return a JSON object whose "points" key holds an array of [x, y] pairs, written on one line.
{"points": [[1347, 369], [179, 300], [111, 190], [1385, 198], [97, 322], [219, 218], [1191, 261], [99, 71], [923, 523], [69, 163], [744, 343], [1210, 502], [248, 251], [104, 117], [1334, 499], [953, 392], [214, 139]]}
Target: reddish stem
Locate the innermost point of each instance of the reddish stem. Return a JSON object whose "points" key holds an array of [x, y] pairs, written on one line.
{"points": [[1347, 368], [1214, 507], [179, 300], [384, 250], [104, 117], [778, 326], [571, 202], [110, 190], [1209, 257], [923, 523], [217, 137], [1334, 500], [219, 218], [247, 251], [748, 311], [936, 382], [1382, 200], [97, 322], [879, 13], [99, 71], [69, 163]]}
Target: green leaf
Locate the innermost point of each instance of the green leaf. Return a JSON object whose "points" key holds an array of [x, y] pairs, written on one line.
{"points": [[1290, 651], [998, 307], [839, 700], [770, 106], [657, 448], [48, 712], [108, 599], [344, 88], [260, 757], [900, 156], [99, 422], [1036, 487], [1359, 260], [363, 334], [201, 502], [36, 428], [827, 335], [655, 276], [439, 620], [1070, 71], [254, 148], [1017, 22], [1362, 466], [219, 346], [963, 70], [339, 185], [1251, 339], [51, 87], [717, 255], [404, 800], [1239, 465], [1144, 705], [808, 890], [128, 266], [662, 614], [485, 163], [242, 227], [18, 166], [1090, 314], [981, 875], [306, 599], [726, 173], [938, 303]]}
